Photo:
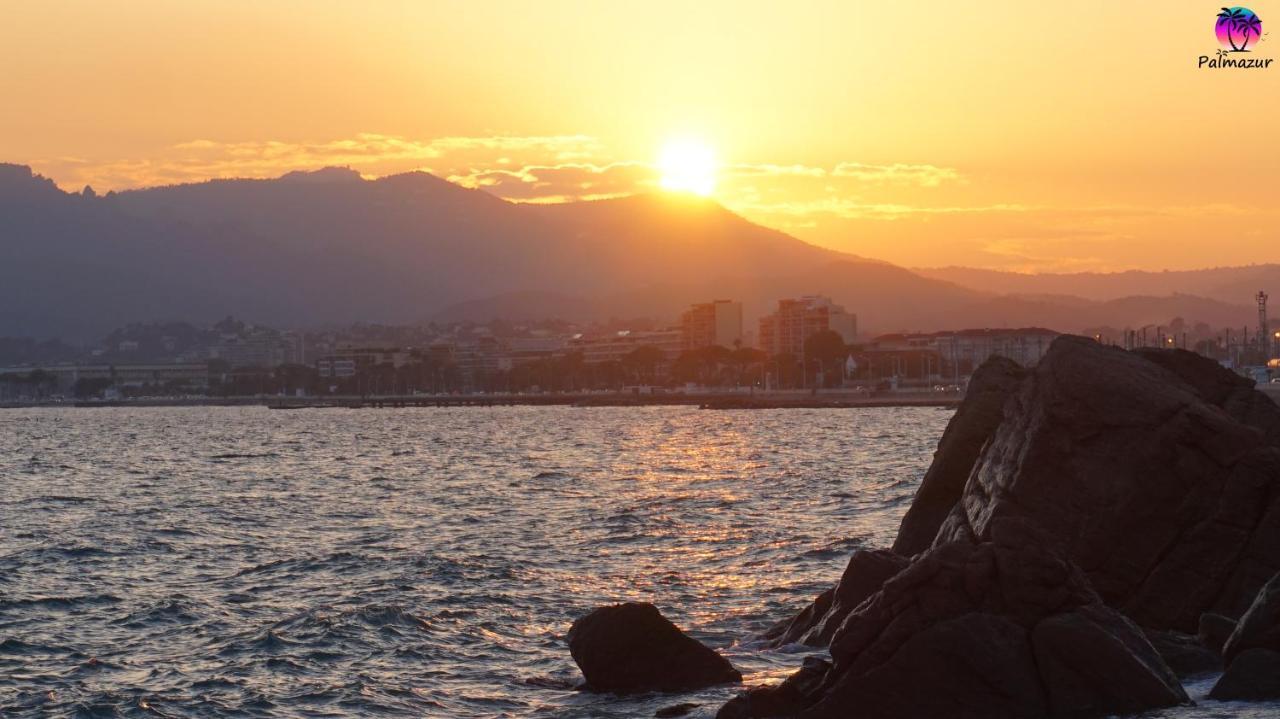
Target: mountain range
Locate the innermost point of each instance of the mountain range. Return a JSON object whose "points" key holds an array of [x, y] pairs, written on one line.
{"points": [[328, 247]]}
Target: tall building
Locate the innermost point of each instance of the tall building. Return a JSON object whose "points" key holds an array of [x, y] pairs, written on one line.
{"points": [[718, 322], [253, 347], [796, 320]]}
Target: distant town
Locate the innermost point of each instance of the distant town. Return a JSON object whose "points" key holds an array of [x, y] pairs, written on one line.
{"points": [[807, 343]]}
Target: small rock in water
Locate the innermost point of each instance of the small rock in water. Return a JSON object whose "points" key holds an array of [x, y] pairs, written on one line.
{"points": [[675, 710], [1186, 654], [631, 648], [1253, 651], [1252, 676], [1259, 628]]}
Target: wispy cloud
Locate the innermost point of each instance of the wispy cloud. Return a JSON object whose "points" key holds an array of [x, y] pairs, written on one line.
{"points": [[854, 209], [899, 174], [768, 170], [372, 153], [563, 182]]}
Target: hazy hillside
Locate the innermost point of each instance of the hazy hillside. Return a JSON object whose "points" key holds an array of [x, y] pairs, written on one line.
{"points": [[330, 247], [1233, 285], [894, 304]]}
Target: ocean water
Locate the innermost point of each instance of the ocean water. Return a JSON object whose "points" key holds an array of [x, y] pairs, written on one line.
{"points": [[242, 562]]}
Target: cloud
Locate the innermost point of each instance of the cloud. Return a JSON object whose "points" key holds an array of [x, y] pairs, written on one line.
{"points": [[767, 170], [371, 153], [852, 209], [563, 182], [897, 174]]}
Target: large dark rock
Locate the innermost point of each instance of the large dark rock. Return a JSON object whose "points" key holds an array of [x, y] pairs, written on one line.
{"points": [[866, 572], [1222, 388], [1095, 662], [1167, 500], [973, 424], [1066, 506], [1001, 628], [972, 666], [630, 648]]}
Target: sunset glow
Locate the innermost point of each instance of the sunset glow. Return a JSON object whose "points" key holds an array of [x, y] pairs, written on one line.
{"points": [[996, 147], [688, 165]]}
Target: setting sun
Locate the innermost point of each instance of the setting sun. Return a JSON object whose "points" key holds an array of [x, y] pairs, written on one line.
{"points": [[688, 166]]}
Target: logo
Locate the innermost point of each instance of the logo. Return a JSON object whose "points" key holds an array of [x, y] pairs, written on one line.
{"points": [[1239, 30]]}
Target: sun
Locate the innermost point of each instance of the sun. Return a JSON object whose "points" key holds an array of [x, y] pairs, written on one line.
{"points": [[688, 165]]}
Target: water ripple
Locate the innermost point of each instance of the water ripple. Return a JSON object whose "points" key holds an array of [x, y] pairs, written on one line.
{"points": [[235, 562]]}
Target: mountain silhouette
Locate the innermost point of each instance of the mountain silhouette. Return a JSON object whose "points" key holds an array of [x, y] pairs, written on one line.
{"points": [[326, 247]]}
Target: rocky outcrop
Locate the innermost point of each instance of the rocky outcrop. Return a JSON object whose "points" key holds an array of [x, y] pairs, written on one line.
{"points": [[1000, 628], [1168, 501], [1253, 650], [631, 648], [972, 425], [1066, 507]]}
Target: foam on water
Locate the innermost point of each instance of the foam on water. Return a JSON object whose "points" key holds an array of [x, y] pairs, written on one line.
{"points": [[238, 562]]}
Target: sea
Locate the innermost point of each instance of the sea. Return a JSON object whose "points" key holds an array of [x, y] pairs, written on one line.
{"points": [[422, 562]]}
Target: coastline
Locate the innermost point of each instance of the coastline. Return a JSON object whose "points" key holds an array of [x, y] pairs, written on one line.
{"points": [[826, 399], [834, 399]]}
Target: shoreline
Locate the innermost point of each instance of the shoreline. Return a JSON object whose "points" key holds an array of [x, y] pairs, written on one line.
{"points": [[828, 399]]}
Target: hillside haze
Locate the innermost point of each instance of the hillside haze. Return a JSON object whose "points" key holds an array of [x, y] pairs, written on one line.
{"points": [[1232, 285], [324, 247]]}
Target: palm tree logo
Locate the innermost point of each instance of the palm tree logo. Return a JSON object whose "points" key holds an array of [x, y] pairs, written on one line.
{"points": [[1237, 27]]}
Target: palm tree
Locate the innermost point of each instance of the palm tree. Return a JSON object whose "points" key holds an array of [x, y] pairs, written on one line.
{"points": [[1230, 17], [1248, 25]]}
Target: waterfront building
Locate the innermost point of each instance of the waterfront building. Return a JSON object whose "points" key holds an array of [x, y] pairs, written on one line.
{"points": [[796, 320], [193, 375], [718, 322], [347, 360], [614, 346], [962, 351], [524, 350], [258, 347]]}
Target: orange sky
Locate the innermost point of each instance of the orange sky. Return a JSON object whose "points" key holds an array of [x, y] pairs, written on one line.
{"points": [[1074, 136]]}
